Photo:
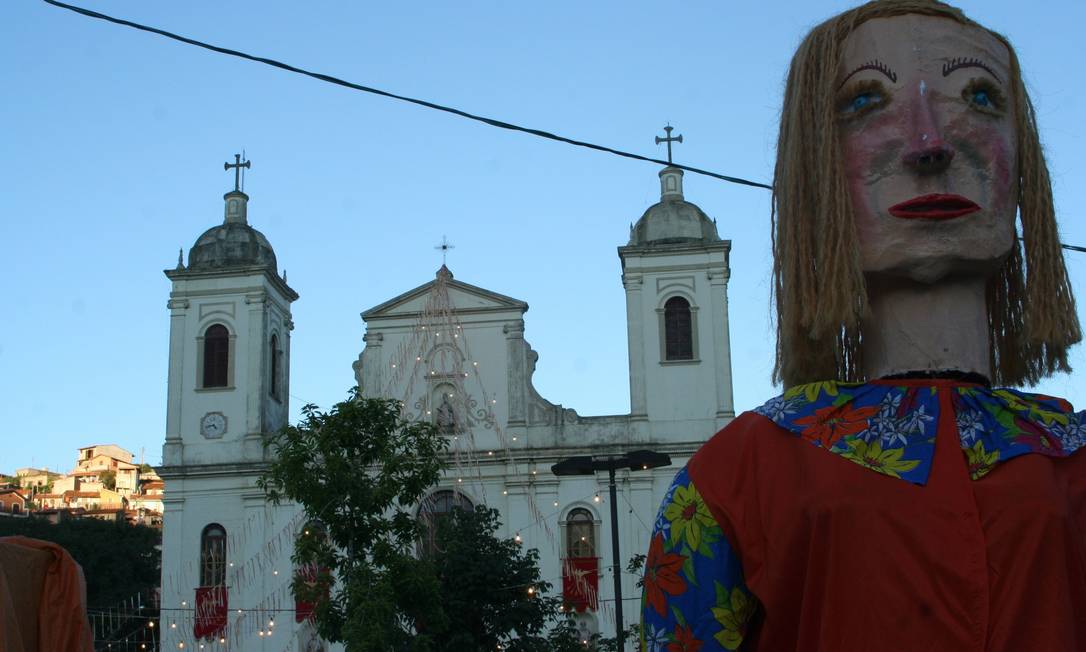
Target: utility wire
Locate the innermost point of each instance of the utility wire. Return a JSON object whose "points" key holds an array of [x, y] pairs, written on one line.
{"points": [[376, 91], [430, 105]]}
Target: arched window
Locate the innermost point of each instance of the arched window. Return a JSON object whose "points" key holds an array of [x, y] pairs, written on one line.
{"points": [[213, 556], [274, 366], [580, 534], [216, 356], [678, 336], [436, 506]]}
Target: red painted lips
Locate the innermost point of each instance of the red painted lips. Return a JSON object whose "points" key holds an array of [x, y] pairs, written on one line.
{"points": [[934, 207]]}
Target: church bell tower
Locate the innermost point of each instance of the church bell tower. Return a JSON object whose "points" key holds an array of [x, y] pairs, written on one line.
{"points": [[230, 329], [228, 386], [675, 272]]}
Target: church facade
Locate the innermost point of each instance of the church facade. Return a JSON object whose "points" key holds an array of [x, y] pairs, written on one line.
{"points": [[457, 355]]}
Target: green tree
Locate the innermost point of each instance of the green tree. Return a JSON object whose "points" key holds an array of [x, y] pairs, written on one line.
{"points": [[108, 479], [492, 591], [146, 468], [358, 469]]}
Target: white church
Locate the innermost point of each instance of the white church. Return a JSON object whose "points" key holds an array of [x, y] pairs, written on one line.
{"points": [[455, 354]]}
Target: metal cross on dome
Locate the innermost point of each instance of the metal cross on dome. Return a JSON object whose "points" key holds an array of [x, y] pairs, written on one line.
{"points": [[237, 165], [444, 247], [669, 140]]}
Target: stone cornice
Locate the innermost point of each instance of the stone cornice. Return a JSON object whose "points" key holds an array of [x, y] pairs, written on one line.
{"points": [[230, 272], [185, 471], [677, 248]]}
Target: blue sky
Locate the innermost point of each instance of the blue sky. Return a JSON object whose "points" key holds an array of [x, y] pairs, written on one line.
{"points": [[114, 141]]}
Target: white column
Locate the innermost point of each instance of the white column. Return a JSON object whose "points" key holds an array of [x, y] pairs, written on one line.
{"points": [[718, 282], [172, 450], [635, 333]]}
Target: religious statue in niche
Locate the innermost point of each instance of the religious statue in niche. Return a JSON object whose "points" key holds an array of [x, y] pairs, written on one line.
{"points": [[445, 416], [896, 496]]}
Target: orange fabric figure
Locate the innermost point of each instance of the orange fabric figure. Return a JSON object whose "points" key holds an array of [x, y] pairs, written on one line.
{"points": [[61, 616]]}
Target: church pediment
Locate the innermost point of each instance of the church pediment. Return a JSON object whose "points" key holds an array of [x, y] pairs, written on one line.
{"points": [[462, 297]]}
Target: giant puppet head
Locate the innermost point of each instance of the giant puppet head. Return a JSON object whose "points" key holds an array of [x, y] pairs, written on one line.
{"points": [[907, 147]]}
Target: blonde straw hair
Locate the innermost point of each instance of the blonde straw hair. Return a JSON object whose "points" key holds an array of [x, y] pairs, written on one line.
{"points": [[819, 287]]}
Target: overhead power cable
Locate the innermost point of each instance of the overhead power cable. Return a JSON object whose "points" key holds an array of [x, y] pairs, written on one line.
{"points": [[376, 91], [501, 124]]}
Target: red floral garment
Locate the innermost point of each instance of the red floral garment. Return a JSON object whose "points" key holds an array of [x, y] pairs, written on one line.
{"points": [[970, 534], [694, 597]]}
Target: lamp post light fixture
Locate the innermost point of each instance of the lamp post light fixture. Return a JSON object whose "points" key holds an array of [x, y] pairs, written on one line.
{"points": [[640, 460]]}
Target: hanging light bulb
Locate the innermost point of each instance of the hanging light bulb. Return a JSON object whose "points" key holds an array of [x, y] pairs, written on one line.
{"points": [[596, 498], [271, 622], [517, 538]]}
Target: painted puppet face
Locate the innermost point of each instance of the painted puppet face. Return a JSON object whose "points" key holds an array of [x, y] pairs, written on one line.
{"points": [[929, 146]]}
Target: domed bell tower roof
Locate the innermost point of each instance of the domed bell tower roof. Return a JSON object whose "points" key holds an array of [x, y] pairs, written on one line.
{"points": [[233, 243], [672, 220]]}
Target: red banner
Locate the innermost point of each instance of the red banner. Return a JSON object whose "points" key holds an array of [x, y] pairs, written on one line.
{"points": [[580, 582], [210, 612], [311, 576]]}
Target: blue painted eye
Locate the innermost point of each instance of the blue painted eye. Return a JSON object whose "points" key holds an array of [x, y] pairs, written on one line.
{"points": [[980, 98], [862, 101]]}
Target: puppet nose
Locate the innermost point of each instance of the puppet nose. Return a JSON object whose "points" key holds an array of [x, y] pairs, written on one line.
{"points": [[932, 159], [928, 152]]}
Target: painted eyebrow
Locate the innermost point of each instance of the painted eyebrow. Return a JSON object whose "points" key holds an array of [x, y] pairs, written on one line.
{"points": [[968, 62], [874, 64]]}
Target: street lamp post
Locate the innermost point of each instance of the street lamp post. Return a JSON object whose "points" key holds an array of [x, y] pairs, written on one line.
{"points": [[639, 460]]}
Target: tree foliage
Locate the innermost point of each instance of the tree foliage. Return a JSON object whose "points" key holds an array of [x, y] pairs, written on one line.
{"points": [[118, 559], [108, 479], [358, 470], [492, 591]]}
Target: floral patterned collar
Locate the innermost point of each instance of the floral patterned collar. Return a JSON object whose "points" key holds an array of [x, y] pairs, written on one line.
{"points": [[889, 426]]}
